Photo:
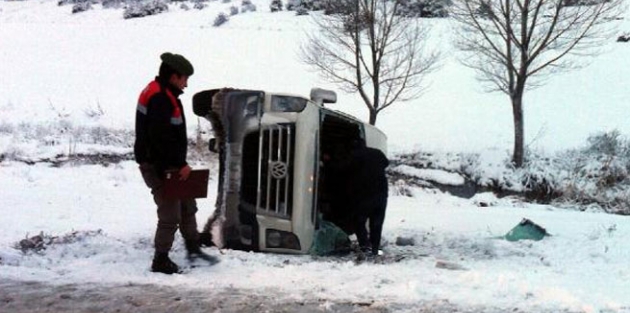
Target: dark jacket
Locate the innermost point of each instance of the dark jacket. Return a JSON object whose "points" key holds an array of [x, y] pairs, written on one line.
{"points": [[367, 169], [161, 138]]}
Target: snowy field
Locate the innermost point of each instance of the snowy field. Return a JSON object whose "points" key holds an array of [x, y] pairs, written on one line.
{"points": [[62, 72]]}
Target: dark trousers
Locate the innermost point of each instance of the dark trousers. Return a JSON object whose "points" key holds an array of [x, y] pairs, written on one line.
{"points": [[172, 213], [372, 210]]}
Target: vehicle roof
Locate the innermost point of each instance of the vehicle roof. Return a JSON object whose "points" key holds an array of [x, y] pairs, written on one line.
{"points": [[309, 101]]}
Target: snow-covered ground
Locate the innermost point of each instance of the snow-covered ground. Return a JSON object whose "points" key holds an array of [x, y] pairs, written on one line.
{"points": [[64, 71], [583, 266]]}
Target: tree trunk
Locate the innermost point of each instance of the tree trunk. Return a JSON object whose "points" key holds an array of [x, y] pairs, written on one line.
{"points": [[517, 112], [373, 114]]}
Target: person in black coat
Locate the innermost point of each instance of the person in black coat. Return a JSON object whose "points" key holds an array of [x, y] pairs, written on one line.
{"points": [[368, 190]]}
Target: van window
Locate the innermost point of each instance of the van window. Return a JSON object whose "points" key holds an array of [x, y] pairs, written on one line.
{"points": [[287, 104]]}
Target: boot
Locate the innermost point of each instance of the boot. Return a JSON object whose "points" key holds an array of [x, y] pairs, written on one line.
{"points": [[193, 249], [205, 239], [163, 264]]}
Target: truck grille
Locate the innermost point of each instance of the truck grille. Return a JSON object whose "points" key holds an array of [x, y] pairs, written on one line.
{"points": [[275, 176]]}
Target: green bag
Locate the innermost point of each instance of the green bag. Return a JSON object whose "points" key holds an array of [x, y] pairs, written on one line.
{"points": [[329, 239]]}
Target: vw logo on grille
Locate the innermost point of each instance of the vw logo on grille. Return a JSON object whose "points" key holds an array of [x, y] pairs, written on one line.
{"points": [[278, 169]]}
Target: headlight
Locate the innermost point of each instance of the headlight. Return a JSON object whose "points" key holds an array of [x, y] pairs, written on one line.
{"points": [[282, 239], [273, 238]]}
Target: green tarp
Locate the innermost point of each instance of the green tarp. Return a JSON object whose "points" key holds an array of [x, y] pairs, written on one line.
{"points": [[526, 230]]}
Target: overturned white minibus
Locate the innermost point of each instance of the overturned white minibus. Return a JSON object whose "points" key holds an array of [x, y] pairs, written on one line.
{"points": [[273, 186]]}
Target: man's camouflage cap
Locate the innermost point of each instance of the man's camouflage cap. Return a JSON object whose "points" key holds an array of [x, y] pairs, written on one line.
{"points": [[178, 63]]}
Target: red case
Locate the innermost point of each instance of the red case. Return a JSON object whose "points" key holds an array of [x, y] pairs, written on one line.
{"points": [[196, 186]]}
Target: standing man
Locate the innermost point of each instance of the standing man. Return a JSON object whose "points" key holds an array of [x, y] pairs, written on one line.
{"points": [[161, 145], [368, 185]]}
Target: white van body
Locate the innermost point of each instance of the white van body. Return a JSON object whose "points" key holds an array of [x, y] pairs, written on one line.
{"points": [[272, 184]]}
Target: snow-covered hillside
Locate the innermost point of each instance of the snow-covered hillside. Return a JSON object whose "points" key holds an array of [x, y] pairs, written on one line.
{"points": [[67, 64], [65, 76]]}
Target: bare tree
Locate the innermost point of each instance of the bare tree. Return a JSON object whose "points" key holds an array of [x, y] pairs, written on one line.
{"points": [[514, 45], [364, 46]]}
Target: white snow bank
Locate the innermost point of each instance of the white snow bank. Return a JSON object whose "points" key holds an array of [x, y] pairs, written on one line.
{"points": [[438, 176]]}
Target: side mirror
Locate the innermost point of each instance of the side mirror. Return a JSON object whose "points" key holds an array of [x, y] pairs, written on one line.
{"points": [[322, 96], [202, 102], [212, 145]]}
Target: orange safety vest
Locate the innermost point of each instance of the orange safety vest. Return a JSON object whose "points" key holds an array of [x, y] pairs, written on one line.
{"points": [[149, 91]]}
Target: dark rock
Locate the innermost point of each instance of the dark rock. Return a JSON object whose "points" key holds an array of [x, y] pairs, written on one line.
{"points": [[405, 241]]}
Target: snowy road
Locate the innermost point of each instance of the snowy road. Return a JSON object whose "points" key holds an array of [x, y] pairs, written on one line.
{"points": [[34, 297], [39, 297]]}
